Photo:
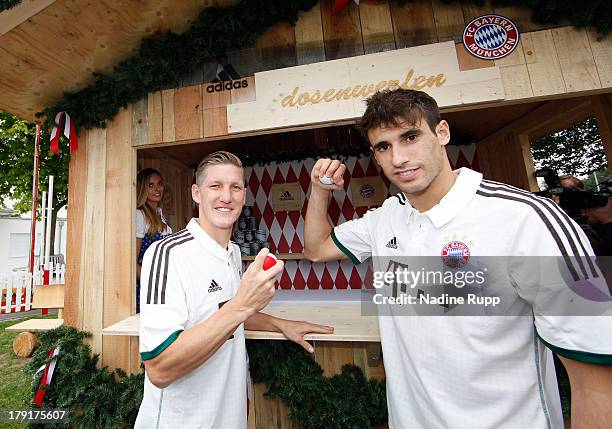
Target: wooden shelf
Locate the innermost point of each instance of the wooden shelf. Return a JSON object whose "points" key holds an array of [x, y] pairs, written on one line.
{"points": [[282, 256]]}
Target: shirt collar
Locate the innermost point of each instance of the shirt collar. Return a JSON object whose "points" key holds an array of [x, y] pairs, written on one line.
{"points": [[456, 199], [208, 242]]}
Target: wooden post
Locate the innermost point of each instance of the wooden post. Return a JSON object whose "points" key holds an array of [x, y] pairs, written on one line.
{"points": [[603, 116], [118, 254], [77, 183], [507, 158]]}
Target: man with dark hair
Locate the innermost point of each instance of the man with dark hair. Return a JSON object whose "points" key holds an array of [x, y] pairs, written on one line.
{"points": [[470, 371]]}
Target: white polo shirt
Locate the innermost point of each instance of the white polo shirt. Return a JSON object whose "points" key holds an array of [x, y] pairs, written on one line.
{"points": [[483, 371], [185, 279]]}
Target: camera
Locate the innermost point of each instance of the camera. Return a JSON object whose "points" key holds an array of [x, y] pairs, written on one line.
{"points": [[573, 201]]}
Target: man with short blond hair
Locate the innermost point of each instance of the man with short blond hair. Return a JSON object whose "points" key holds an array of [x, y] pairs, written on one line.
{"points": [[195, 307]]}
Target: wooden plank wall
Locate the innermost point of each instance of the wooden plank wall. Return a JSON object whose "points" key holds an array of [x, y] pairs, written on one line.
{"points": [[356, 30], [77, 179], [118, 300], [549, 62], [177, 203], [98, 279]]}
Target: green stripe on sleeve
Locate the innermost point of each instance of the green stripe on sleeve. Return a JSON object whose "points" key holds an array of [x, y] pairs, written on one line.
{"points": [[578, 355], [344, 250], [163, 346]]}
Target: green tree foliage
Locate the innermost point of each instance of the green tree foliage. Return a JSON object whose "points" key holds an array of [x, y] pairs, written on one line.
{"points": [[17, 138], [8, 4], [577, 150]]}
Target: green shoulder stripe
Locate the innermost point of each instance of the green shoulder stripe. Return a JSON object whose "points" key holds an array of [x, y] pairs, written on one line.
{"points": [[163, 346], [578, 355], [344, 250]]}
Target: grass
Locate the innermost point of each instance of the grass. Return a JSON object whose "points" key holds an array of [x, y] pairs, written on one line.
{"points": [[14, 384]]}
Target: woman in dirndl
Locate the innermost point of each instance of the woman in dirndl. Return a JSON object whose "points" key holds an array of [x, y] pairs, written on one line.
{"points": [[151, 225]]}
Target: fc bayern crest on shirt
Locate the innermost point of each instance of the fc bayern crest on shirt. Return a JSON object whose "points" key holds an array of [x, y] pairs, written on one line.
{"points": [[455, 254], [491, 37]]}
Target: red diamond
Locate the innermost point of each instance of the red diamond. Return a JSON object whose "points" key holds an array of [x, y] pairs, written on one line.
{"points": [[278, 176], [326, 280], [313, 281], [334, 211], [268, 215], [357, 171], [369, 279], [296, 245], [348, 210], [283, 246], [298, 280], [281, 217], [341, 282], [355, 280], [304, 179], [372, 170], [294, 216], [266, 182], [304, 207], [347, 178], [253, 183], [256, 212], [360, 211], [291, 177], [285, 281]]}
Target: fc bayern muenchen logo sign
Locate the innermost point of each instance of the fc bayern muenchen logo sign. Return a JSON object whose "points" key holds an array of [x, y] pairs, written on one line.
{"points": [[490, 37], [455, 254]]}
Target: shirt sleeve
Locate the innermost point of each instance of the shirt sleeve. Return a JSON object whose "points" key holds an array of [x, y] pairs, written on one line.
{"points": [[354, 238], [163, 305], [555, 271], [141, 227]]}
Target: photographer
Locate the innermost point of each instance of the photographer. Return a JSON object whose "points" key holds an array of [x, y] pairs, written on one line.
{"points": [[591, 210], [600, 220]]}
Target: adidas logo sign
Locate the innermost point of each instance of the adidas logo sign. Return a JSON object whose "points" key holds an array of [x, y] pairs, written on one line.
{"points": [[214, 287], [392, 244], [285, 196]]}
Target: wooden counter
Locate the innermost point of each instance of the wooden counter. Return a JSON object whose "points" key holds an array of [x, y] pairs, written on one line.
{"points": [[355, 341], [340, 309]]}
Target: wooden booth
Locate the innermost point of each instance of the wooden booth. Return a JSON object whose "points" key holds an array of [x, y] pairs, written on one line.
{"points": [[302, 87]]}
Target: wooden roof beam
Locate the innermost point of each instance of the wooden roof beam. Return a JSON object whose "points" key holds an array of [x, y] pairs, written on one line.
{"points": [[11, 18]]}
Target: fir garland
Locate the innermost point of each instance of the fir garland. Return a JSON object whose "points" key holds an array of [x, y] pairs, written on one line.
{"points": [[8, 4], [99, 398], [95, 397], [162, 59], [346, 400]]}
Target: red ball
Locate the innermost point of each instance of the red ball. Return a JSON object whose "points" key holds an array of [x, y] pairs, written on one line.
{"points": [[269, 262]]}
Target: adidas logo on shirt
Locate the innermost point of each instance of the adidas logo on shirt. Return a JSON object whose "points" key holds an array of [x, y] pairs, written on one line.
{"points": [[214, 287], [286, 196], [392, 244]]}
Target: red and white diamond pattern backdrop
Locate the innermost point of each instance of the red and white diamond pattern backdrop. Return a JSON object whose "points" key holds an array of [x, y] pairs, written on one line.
{"points": [[286, 229]]}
